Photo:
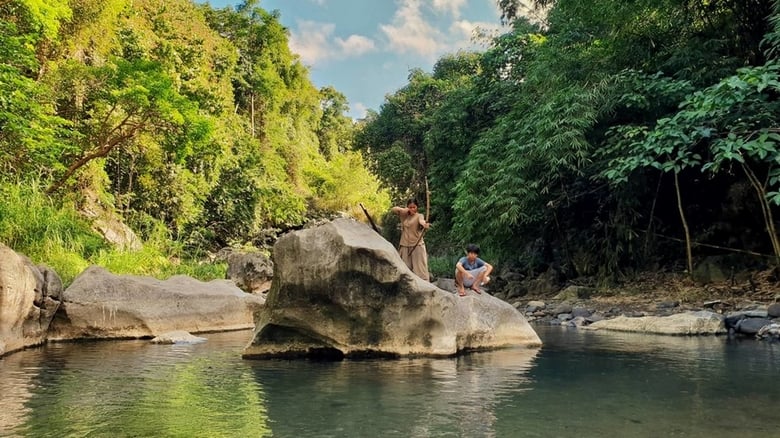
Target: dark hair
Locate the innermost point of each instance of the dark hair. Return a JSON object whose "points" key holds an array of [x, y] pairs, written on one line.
{"points": [[412, 201], [472, 248]]}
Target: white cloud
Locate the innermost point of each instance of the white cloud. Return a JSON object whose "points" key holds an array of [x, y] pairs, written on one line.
{"points": [[318, 2], [355, 45], [358, 110], [453, 6], [470, 34], [314, 42], [311, 41], [410, 32]]}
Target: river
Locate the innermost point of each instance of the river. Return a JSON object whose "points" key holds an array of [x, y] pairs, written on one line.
{"points": [[585, 384]]}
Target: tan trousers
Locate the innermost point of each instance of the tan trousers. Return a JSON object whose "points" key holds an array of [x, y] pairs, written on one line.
{"points": [[416, 260]]}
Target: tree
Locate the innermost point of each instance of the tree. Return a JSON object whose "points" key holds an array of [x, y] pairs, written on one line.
{"points": [[132, 97]]}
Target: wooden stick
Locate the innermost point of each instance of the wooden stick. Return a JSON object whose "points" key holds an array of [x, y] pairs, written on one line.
{"points": [[427, 215], [707, 245], [370, 221]]}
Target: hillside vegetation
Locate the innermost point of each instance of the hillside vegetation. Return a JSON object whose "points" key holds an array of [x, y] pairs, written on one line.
{"points": [[194, 126], [600, 139]]}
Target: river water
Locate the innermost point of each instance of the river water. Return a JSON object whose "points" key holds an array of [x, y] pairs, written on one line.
{"points": [[584, 384]]}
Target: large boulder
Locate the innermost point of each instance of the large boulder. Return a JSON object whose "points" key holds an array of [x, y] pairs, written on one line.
{"points": [[102, 305], [689, 323], [341, 290], [251, 271], [29, 297]]}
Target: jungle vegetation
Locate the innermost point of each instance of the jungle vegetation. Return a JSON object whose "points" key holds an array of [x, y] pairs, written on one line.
{"points": [[598, 138], [196, 127]]}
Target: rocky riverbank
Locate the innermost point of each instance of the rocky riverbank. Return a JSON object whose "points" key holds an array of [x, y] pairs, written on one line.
{"points": [[35, 309], [669, 306]]}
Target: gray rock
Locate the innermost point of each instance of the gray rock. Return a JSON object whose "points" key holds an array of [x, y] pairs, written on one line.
{"points": [[28, 301], [536, 303], [711, 304], [771, 331], [340, 290], [515, 289], [564, 316], [562, 308], [665, 305], [251, 271], [575, 292], [689, 323], [751, 326], [758, 313], [447, 284], [579, 321], [101, 305], [734, 319], [747, 306], [773, 311], [546, 283], [177, 337], [580, 312], [594, 318], [52, 283], [708, 271], [512, 277]]}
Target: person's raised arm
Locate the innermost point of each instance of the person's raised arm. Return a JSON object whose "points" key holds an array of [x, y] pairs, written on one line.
{"points": [[400, 210], [423, 223]]}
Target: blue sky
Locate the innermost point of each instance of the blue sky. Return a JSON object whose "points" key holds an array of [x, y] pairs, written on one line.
{"points": [[365, 48]]}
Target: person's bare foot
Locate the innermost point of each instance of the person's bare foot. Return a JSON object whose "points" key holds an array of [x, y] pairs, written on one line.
{"points": [[476, 289]]}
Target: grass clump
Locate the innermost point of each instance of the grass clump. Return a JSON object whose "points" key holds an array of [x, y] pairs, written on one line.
{"points": [[55, 234]]}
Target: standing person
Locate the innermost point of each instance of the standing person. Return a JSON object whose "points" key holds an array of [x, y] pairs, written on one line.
{"points": [[412, 247], [471, 271]]}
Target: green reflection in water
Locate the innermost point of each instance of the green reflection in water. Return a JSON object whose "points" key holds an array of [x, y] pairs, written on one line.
{"points": [[134, 393]]}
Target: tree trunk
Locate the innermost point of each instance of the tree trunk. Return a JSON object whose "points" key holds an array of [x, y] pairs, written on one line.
{"points": [[652, 213], [766, 210], [688, 251], [252, 105], [98, 153]]}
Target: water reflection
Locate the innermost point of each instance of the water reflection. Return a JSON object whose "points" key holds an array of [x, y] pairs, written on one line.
{"points": [[410, 397], [130, 388], [580, 383]]}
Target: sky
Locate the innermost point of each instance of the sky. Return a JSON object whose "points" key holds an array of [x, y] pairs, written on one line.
{"points": [[366, 48]]}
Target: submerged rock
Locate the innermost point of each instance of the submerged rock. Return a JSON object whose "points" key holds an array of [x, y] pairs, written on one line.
{"points": [[102, 305], [177, 337], [340, 289], [29, 297], [689, 323]]}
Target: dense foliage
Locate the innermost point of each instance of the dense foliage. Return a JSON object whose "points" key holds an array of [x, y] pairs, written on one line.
{"points": [[171, 116], [611, 136]]}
